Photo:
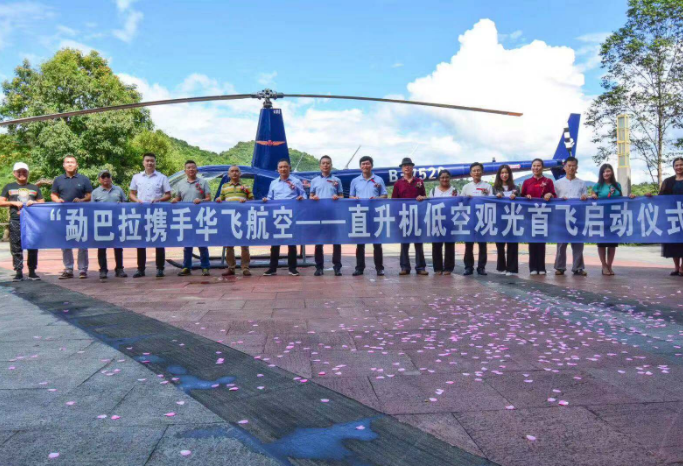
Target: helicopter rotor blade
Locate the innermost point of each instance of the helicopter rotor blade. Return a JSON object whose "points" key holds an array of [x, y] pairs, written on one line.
{"points": [[185, 100], [411, 102]]}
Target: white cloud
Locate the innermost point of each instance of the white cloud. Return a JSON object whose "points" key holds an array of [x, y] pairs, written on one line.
{"points": [[513, 36], [19, 15], [397, 65], [67, 31], [130, 27], [124, 5], [267, 79], [589, 53], [72, 44], [540, 80]]}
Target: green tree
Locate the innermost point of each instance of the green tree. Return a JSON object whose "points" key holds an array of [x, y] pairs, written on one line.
{"points": [[73, 81], [644, 78]]}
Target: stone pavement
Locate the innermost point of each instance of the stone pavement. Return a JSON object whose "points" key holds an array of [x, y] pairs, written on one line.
{"points": [[520, 371]]}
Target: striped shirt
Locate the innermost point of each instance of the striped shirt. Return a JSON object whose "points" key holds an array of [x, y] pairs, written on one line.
{"points": [[236, 192]]}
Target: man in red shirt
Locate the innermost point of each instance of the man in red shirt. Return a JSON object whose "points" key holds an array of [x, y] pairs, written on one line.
{"points": [[410, 187]]}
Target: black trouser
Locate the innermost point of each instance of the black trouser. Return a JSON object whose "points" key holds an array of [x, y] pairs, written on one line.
{"points": [[275, 257], [102, 258], [511, 263], [376, 253], [469, 256], [438, 257], [142, 258], [320, 258], [420, 263], [537, 257], [15, 248]]}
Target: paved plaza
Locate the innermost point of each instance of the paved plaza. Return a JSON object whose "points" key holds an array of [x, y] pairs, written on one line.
{"points": [[310, 370]]}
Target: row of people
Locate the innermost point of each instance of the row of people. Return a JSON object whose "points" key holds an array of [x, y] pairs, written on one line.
{"points": [[150, 186]]}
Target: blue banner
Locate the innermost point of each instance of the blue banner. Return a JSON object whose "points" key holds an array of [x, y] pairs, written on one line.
{"points": [[347, 221]]}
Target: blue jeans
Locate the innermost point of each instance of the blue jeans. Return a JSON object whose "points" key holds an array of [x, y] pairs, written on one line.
{"points": [[203, 257]]}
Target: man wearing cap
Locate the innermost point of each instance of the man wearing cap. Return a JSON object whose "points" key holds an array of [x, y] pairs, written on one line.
{"points": [[235, 191], [72, 187], [285, 187], [148, 187], [196, 190], [108, 192], [410, 187], [368, 186], [327, 186], [16, 196]]}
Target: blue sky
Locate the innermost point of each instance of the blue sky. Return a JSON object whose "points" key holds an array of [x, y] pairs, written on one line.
{"points": [[372, 48]]}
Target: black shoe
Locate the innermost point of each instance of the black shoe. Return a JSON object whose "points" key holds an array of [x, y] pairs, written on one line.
{"points": [[139, 273], [318, 272], [357, 272], [337, 273], [295, 272], [160, 273], [481, 271], [380, 273], [185, 272], [32, 274], [469, 271], [270, 273], [66, 275], [19, 276], [120, 273], [103, 274]]}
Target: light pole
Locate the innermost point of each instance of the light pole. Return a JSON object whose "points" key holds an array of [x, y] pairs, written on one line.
{"points": [[624, 153]]}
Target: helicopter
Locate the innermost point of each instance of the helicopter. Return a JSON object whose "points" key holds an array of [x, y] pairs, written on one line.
{"points": [[271, 142]]}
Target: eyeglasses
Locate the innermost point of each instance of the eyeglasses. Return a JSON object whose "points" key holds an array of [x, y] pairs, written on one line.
{"points": [[105, 175]]}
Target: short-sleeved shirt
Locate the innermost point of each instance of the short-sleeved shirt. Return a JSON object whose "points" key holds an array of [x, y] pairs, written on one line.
{"points": [[69, 188], [113, 194], [150, 187], [188, 191], [409, 190], [436, 192], [291, 188], [607, 191], [366, 189], [571, 189], [232, 192], [538, 187], [15, 192], [326, 186], [477, 189]]}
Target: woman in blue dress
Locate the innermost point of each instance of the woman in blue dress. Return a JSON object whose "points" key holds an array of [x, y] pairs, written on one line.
{"points": [[607, 187]]}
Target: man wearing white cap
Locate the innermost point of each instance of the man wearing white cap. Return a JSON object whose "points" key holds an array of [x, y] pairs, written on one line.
{"points": [[16, 196]]}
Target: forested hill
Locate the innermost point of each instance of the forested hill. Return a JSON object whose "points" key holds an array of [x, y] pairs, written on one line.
{"points": [[240, 154]]}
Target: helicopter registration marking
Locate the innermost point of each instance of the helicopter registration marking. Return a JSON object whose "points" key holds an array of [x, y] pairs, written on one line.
{"points": [[426, 173]]}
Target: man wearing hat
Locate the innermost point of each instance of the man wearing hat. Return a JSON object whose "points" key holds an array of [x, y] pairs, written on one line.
{"points": [[410, 187], [16, 196], [108, 192]]}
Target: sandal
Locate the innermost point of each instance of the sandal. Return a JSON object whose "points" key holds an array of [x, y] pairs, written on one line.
{"points": [[675, 273], [603, 271]]}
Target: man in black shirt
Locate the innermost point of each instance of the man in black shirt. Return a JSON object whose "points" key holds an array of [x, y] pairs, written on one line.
{"points": [[72, 187], [16, 196]]}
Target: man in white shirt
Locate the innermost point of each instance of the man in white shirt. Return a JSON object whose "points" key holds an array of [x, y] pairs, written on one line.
{"points": [[476, 188], [570, 187]]}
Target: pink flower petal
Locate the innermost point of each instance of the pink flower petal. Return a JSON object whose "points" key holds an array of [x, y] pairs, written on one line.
{"points": [[324, 400], [180, 403], [360, 427], [53, 455], [171, 414], [243, 421], [185, 452], [102, 416], [531, 437], [509, 407], [115, 417]]}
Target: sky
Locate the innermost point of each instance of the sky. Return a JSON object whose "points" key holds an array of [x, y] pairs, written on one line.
{"points": [[539, 58]]}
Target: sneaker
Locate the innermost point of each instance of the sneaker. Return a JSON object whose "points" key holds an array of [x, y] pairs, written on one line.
{"points": [[246, 273], [19, 276], [541, 272], [533, 272], [581, 273], [447, 272], [357, 272], [422, 272], [508, 274], [295, 272], [337, 273], [270, 273], [83, 275], [561, 272], [206, 273], [119, 273], [481, 271], [183, 273], [160, 273], [380, 273], [139, 273], [228, 273], [66, 275], [318, 273], [469, 271], [103, 274], [32, 275], [404, 272]]}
